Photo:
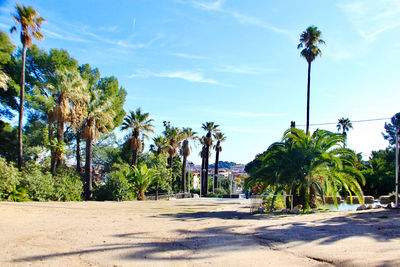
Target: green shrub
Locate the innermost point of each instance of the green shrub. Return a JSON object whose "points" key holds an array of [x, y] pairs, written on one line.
{"points": [[67, 185], [38, 182], [116, 188], [9, 179], [274, 204]]}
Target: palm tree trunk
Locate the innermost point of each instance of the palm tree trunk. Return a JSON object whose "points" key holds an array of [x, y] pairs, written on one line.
{"points": [[183, 182], [216, 168], [203, 163], [78, 152], [60, 138], [308, 98], [206, 164], [134, 157], [88, 170], [52, 156], [21, 109], [157, 191]]}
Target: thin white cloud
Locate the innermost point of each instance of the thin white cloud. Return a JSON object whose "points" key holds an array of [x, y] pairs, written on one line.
{"points": [[187, 56], [372, 17], [217, 6], [189, 76], [243, 69]]}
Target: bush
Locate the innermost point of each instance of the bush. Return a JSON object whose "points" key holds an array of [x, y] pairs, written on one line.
{"points": [[67, 185], [9, 179], [274, 204], [38, 183], [116, 188]]}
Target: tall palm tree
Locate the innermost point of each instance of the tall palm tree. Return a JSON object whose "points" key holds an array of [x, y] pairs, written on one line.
{"points": [[203, 155], [140, 124], [30, 22], [99, 116], [188, 134], [219, 137], [211, 128], [309, 40], [344, 124], [66, 86]]}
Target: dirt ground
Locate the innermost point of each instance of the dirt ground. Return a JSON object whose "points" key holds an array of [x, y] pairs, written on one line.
{"points": [[191, 233]]}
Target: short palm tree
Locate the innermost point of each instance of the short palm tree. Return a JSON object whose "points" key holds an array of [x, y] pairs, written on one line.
{"points": [[98, 119], [345, 125], [188, 134], [160, 145], [219, 137], [308, 161], [211, 128], [139, 124], [30, 22], [309, 40]]}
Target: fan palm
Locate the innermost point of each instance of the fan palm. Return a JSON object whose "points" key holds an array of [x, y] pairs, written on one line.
{"points": [[66, 87], [219, 137], [344, 124], [211, 128], [98, 118], [174, 137], [309, 40], [30, 22], [188, 134], [140, 124], [160, 145]]}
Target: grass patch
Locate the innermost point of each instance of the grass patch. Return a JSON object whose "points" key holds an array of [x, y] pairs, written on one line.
{"points": [[382, 217]]}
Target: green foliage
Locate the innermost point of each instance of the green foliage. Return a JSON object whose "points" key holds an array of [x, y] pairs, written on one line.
{"points": [[65, 185], [390, 129], [307, 164], [116, 188], [9, 179], [379, 173], [8, 141], [163, 175]]}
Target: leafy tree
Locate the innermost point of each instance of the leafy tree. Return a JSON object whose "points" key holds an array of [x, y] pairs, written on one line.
{"points": [[163, 175], [188, 134], [390, 129], [7, 85], [309, 40], [30, 22], [219, 137], [139, 124], [211, 128]]}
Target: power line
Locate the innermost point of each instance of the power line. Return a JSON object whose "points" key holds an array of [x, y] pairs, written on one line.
{"points": [[331, 123]]}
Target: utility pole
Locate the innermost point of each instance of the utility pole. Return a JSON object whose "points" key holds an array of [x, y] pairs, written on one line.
{"points": [[397, 166]]}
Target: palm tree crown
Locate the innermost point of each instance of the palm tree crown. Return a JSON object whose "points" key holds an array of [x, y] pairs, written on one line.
{"points": [[309, 40], [30, 22], [140, 124], [344, 124]]}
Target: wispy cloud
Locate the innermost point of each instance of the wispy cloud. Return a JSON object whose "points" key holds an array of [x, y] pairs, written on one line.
{"points": [[187, 56], [217, 6], [372, 17], [189, 76], [243, 69]]}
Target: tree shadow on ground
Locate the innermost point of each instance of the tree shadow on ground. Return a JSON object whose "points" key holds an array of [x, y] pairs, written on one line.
{"points": [[381, 225], [204, 243]]}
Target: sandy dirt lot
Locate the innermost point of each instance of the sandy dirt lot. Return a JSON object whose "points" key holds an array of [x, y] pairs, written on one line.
{"points": [[191, 233]]}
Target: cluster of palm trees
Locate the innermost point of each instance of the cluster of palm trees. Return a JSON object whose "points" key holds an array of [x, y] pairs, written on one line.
{"points": [[172, 141]]}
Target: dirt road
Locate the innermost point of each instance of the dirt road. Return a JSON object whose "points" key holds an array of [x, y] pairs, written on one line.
{"points": [[191, 233]]}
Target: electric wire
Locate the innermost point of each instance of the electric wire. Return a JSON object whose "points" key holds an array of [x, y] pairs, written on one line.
{"points": [[331, 123]]}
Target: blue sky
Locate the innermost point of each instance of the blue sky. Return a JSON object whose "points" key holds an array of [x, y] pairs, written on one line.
{"points": [[236, 62]]}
